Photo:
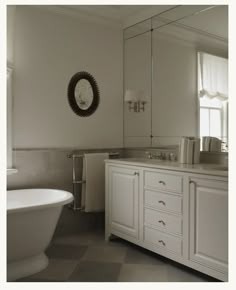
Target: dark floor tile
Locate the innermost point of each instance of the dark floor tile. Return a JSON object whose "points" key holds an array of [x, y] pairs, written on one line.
{"points": [[81, 239], [36, 280], [96, 238], [95, 272], [105, 254], [58, 270], [66, 252]]}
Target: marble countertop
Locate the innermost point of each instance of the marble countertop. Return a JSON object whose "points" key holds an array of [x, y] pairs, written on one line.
{"points": [[201, 168]]}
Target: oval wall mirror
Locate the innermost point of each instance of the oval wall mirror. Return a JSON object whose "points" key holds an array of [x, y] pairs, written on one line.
{"points": [[83, 94]]}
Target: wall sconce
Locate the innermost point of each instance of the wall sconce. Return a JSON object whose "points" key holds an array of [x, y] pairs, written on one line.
{"points": [[135, 100]]}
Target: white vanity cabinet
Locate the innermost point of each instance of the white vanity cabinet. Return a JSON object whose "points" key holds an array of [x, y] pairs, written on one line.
{"points": [[122, 201], [163, 211], [178, 214], [209, 223]]}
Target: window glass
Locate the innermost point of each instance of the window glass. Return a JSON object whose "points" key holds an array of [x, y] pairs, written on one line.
{"points": [[215, 123], [204, 122]]}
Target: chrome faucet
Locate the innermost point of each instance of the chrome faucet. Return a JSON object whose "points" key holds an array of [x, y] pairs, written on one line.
{"points": [[159, 155], [149, 154]]}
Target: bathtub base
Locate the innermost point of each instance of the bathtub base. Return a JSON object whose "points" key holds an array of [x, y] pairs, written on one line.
{"points": [[26, 267]]}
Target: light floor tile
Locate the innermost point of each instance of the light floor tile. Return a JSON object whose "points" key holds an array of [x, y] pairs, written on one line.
{"points": [[177, 273], [95, 272], [142, 273], [137, 255]]}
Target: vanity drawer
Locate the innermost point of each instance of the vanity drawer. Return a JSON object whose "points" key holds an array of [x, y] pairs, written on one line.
{"points": [[163, 240], [165, 222], [164, 181], [163, 201]]}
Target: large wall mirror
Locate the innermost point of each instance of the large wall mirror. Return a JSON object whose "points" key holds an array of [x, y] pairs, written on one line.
{"points": [[176, 77]]}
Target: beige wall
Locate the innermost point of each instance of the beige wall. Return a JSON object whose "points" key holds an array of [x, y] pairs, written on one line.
{"points": [[49, 49]]}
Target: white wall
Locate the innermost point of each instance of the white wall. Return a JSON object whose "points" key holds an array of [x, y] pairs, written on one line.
{"points": [[49, 49], [11, 13]]}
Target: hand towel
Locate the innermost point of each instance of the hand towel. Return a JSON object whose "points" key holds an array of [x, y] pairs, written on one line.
{"points": [[93, 191]]}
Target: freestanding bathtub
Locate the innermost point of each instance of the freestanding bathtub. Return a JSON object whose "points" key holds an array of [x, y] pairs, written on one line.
{"points": [[32, 216]]}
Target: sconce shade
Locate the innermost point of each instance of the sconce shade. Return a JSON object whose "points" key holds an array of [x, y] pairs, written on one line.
{"points": [[131, 96]]}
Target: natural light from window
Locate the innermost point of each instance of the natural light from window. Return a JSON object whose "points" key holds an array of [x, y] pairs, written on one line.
{"points": [[213, 97]]}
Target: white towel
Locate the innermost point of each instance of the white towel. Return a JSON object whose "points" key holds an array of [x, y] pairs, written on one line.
{"points": [[215, 144], [93, 191], [189, 151], [206, 143]]}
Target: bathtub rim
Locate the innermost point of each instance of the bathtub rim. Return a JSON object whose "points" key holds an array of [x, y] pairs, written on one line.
{"points": [[57, 203]]}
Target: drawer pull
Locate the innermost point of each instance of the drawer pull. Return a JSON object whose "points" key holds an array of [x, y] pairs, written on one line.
{"points": [[162, 222], [136, 173], [162, 182], [162, 202], [162, 242]]}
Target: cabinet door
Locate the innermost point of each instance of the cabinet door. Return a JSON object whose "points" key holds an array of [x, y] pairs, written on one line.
{"points": [[123, 200], [209, 223]]}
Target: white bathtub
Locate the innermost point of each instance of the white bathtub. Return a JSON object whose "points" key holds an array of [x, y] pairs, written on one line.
{"points": [[32, 216]]}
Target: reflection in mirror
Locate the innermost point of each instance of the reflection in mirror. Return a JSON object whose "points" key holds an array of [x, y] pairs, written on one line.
{"points": [[176, 108], [83, 94], [178, 13], [174, 88], [137, 84], [137, 29], [213, 100]]}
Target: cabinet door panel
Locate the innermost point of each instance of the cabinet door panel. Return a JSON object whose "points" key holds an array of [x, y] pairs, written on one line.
{"points": [[209, 224], [124, 201]]}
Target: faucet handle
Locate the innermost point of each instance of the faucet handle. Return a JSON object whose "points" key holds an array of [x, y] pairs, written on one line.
{"points": [[149, 154]]}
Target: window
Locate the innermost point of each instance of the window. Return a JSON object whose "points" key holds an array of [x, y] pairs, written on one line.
{"points": [[213, 96]]}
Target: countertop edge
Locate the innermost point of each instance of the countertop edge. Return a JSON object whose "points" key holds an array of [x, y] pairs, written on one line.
{"points": [[168, 166]]}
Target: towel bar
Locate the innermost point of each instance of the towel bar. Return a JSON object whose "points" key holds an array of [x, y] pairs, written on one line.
{"points": [[79, 181], [75, 182], [82, 155]]}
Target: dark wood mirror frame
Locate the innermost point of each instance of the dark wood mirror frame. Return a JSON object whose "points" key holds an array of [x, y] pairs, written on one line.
{"points": [[71, 94]]}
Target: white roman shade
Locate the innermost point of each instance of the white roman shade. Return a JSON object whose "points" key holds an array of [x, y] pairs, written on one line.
{"points": [[213, 76]]}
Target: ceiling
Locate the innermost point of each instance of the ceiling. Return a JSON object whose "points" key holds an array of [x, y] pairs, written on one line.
{"points": [[118, 13], [213, 20]]}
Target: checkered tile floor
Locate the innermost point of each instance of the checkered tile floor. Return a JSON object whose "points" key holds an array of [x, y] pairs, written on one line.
{"points": [[88, 258]]}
